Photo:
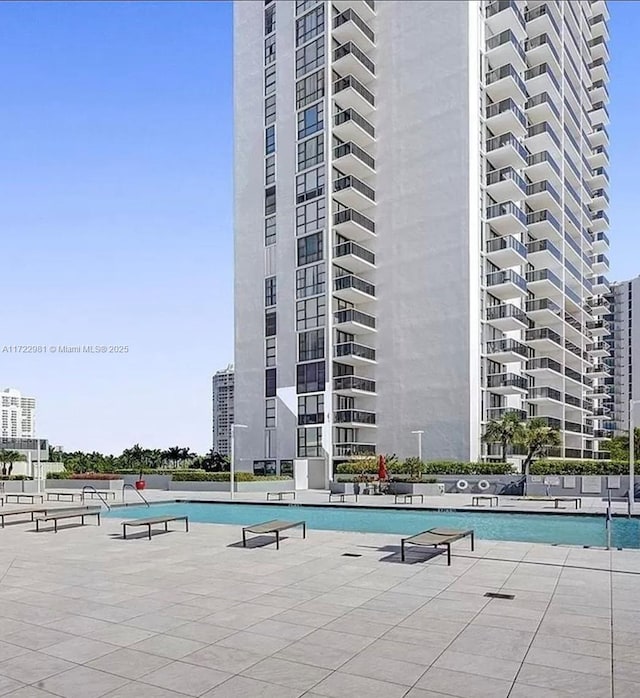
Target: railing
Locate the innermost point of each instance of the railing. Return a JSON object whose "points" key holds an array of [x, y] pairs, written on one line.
{"points": [[504, 311], [500, 346], [506, 37], [508, 242], [350, 48], [91, 488], [354, 383], [541, 40], [351, 148], [542, 187], [600, 172], [353, 450], [544, 392], [506, 380], [353, 349], [574, 375], [352, 248], [508, 208], [504, 174], [544, 275], [501, 5], [543, 333], [541, 11], [350, 214], [504, 106], [352, 115], [601, 237], [542, 98], [351, 182], [500, 412], [543, 127], [542, 69], [128, 486], [542, 217], [510, 140], [350, 81], [506, 276], [347, 281], [352, 16], [357, 316], [506, 71], [542, 304], [354, 416], [544, 246], [543, 363], [539, 158]]}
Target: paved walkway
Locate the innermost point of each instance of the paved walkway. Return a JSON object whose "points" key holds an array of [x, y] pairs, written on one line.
{"points": [[84, 614]]}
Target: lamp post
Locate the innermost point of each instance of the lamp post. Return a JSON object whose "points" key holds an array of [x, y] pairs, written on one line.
{"points": [[632, 493], [419, 432], [232, 468]]}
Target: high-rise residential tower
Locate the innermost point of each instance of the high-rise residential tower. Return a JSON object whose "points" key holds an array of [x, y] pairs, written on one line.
{"points": [[17, 415], [420, 224], [222, 386]]}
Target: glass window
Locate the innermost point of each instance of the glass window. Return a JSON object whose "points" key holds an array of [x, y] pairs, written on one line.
{"points": [[264, 467], [310, 120], [310, 25], [310, 57], [270, 170], [311, 345], [270, 324], [311, 152], [270, 140], [310, 249], [310, 442], [310, 185], [270, 49], [310, 216], [270, 79], [270, 19], [304, 5], [310, 281], [310, 409], [270, 413], [270, 351], [309, 89], [286, 467], [269, 201], [270, 382], [270, 291], [310, 313], [269, 110], [270, 231]]}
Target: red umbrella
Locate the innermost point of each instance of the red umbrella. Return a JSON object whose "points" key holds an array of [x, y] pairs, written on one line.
{"points": [[382, 468]]}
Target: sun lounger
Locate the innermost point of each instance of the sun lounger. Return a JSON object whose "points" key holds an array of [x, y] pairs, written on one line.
{"points": [[56, 515], [272, 527], [281, 494], [20, 512], [153, 521], [342, 496], [436, 537], [17, 496]]}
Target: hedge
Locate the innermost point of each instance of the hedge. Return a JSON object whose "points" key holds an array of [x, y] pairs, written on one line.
{"points": [[201, 476], [66, 475], [429, 468], [578, 467]]}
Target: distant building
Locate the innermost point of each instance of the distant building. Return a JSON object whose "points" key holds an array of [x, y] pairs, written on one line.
{"points": [[624, 338], [17, 415], [222, 388]]}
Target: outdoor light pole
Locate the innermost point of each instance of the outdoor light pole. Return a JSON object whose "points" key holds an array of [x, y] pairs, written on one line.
{"points": [[632, 493], [419, 432], [232, 468]]}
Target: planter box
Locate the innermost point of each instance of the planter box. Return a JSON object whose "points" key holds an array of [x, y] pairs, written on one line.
{"points": [[29, 486], [212, 486], [428, 489], [265, 486], [79, 484], [153, 482]]}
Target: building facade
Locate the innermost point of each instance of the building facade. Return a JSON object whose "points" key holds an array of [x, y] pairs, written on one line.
{"points": [[421, 244], [222, 392], [624, 339], [17, 415]]}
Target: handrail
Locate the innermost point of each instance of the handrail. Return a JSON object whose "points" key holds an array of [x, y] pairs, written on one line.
{"points": [[142, 497], [608, 520], [91, 487]]}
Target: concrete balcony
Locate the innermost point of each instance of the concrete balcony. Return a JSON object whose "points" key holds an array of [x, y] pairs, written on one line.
{"points": [[349, 59], [543, 224], [506, 150], [599, 92], [542, 49], [353, 24], [598, 305], [542, 195], [506, 184], [541, 79], [354, 385], [352, 224], [353, 450], [544, 339], [505, 48], [544, 395], [599, 370], [507, 384], [366, 9], [541, 166], [544, 283], [349, 125], [354, 257], [355, 418], [507, 351], [503, 83], [599, 349], [543, 310], [599, 200], [350, 93], [599, 50], [353, 289], [354, 354], [543, 19], [354, 193], [600, 264], [543, 254], [505, 15], [599, 70], [598, 136], [546, 369], [506, 285], [599, 7], [351, 159], [599, 114], [542, 137], [354, 321], [498, 413], [506, 317], [505, 117], [600, 243], [506, 251], [599, 157], [542, 108], [506, 218], [601, 285]]}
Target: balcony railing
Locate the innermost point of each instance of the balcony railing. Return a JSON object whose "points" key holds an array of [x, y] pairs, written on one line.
{"points": [[541, 40], [354, 416], [353, 315], [350, 215], [499, 412], [506, 37], [543, 127], [351, 148], [506, 276], [544, 392], [542, 217], [507, 139], [505, 174], [501, 5], [540, 11], [544, 186], [501, 346], [353, 450], [542, 69], [352, 16], [543, 333], [542, 364], [352, 115], [352, 248], [506, 71], [601, 237], [355, 282], [542, 304], [543, 98], [507, 380], [350, 81], [351, 182], [544, 246], [354, 383], [508, 208], [505, 311], [350, 48], [504, 106], [353, 349], [508, 242], [544, 275]]}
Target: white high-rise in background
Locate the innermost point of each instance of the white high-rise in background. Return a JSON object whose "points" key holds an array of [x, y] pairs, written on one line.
{"points": [[420, 225], [222, 388], [17, 414]]}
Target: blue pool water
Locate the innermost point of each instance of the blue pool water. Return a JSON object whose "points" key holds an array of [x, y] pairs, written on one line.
{"points": [[535, 528]]}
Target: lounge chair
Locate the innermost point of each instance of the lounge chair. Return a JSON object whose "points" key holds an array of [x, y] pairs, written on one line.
{"points": [[272, 527], [436, 537]]}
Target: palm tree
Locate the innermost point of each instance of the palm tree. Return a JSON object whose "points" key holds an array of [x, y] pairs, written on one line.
{"points": [[173, 455], [537, 437], [9, 457], [504, 431]]}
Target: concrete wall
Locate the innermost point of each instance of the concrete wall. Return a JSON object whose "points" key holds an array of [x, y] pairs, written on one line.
{"points": [[79, 484]]}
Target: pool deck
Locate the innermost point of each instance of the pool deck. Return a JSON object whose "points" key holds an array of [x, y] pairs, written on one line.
{"points": [[85, 614]]}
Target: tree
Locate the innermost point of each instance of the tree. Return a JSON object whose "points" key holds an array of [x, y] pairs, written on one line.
{"points": [[504, 431], [215, 461], [8, 457], [618, 447], [537, 437]]}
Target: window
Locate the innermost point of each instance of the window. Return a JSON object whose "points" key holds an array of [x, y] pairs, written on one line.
{"points": [[310, 185], [270, 19], [310, 409], [270, 231], [310, 281], [269, 201], [264, 467], [270, 291], [270, 79], [310, 249], [311, 120], [310, 442], [270, 324], [270, 351], [286, 467], [310, 57], [270, 50], [310, 313], [310, 152], [270, 170], [269, 110], [270, 140], [310, 216], [270, 382], [310, 25], [309, 89], [304, 5], [311, 345], [270, 413]]}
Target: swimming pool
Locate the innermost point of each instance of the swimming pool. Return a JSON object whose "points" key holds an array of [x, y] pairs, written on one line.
{"points": [[536, 528]]}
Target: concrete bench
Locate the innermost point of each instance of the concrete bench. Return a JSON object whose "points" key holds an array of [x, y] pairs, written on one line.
{"points": [[281, 495], [272, 527], [475, 500], [20, 512], [409, 497], [436, 537], [61, 514], [343, 496], [153, 521]]}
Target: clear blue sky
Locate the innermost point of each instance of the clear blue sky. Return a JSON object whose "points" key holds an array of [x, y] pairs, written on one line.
{"points": [[115, 209]]}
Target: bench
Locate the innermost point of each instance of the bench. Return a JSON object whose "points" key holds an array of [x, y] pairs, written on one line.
{"points": [[576, 500], [152, 522], [475, 501], [59, 495], [23, 495], [409, 497], [19, 512], [436, 537], [96, 494], [272, 527], [61, 514], [281, 495], [342, 495]]}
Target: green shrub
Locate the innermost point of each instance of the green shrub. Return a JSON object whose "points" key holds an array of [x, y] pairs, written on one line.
{"points": [[15, 477], [578, 467], [95, 476], [202, 476]]}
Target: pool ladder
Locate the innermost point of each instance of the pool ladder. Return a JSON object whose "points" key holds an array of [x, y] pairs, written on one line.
{"points": [[142, 497], [91, 488]]}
